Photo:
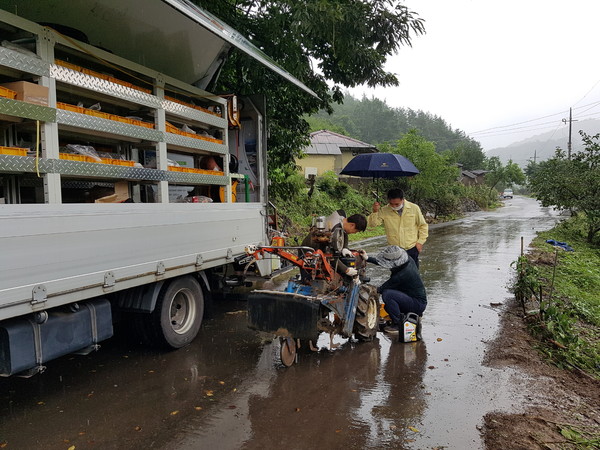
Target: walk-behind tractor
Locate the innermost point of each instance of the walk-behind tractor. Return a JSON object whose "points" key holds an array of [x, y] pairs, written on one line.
{"points": [[318, 300]]}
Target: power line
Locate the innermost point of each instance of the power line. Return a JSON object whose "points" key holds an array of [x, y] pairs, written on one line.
{"points": [[591, 105]]}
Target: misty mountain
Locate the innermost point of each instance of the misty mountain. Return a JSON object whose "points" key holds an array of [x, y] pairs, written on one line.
{"points": [[543, 146]]}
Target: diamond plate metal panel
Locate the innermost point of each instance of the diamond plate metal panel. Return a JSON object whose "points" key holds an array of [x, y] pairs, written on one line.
{"points": [[195, 178], [12, 163], [20, 164], [107, 126], [104, 86], [199, 144], [27, 110], [194, 114], [25, 63], [77, 168]]}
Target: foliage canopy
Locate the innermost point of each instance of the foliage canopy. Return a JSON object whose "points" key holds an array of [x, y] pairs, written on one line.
{"points": [[572, 183], [348, 40]]}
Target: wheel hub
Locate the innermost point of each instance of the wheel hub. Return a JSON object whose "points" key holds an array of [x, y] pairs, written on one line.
{"points": [[182, 311]]}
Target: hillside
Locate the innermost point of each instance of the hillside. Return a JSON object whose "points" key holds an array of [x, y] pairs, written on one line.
{"points": [[543, 146]]}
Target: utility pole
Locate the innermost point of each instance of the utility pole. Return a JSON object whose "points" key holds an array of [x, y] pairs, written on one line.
{"points": [[570, 124]]}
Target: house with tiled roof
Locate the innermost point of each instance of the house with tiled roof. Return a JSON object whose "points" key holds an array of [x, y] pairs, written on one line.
{"points": [[330, 151]]}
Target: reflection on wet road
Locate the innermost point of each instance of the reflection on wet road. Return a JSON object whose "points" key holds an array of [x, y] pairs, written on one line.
{"points": [[226, 391]]}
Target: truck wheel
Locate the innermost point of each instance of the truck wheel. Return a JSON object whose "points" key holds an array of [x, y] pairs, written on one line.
{"points": [[178, 313], [367, 313]]}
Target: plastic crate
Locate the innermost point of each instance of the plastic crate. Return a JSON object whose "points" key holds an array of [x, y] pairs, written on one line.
{"points": [[7, 93], [192, 170], [102, 115], [69, 107], [124, 120], [74, 157], [13, 151], [171, 128], [118, 162], [141, 123]]}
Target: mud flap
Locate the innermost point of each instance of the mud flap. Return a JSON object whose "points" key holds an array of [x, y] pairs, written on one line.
{"points": [[284, 314]]}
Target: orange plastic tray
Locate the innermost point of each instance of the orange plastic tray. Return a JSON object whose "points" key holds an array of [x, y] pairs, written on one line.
{"points": [[74, 157], [13, 151], [103, 115], [192, 170], [141, 123], [117, 162], [7, 93], [69, 107]]}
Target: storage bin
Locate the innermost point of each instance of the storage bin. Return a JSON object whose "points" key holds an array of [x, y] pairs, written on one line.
{"points": [[192, 170], [141, 123], [7, 93], [102, 115], [13, 151], [75, 157], [69, 107], [118, 162]]}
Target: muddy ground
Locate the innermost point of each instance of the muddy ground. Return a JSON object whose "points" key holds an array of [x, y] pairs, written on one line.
{"points": [[557, 399]]}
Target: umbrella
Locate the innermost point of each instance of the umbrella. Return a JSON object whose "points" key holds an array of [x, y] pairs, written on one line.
{"points": [[380, 165]]}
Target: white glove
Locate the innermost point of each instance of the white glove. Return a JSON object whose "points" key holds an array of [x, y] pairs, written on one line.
{"points": [[347, 253], [363, 254], [351, 272]]}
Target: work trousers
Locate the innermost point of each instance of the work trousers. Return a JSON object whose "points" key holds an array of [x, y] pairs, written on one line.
{"points": [[398, 303], [414, 254]]}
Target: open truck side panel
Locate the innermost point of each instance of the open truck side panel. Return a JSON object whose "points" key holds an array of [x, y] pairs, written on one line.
{"points": [[126, 80]]}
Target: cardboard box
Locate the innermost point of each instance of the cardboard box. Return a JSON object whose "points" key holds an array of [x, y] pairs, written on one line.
{"points": [[29, 92], [121, 193]]}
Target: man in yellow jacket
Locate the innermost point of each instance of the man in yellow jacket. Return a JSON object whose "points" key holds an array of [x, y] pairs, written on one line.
{"points": [[404, 223]]}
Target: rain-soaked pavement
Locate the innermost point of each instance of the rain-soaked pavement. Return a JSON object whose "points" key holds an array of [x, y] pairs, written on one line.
{"points": [[226, 391]]}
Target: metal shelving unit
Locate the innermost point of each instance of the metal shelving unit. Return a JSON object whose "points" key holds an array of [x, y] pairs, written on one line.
{"points": [[57, 123]]}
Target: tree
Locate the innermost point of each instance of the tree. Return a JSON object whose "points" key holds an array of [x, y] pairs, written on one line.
{"points": [[572, 183], [469, 154], [437, 178], [509, 174], [348, 40]]}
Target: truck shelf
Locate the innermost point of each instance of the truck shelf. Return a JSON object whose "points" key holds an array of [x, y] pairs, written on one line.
{"points": [[72, 168]]}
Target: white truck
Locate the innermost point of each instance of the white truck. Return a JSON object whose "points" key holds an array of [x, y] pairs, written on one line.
{"points": [[107, 208]]}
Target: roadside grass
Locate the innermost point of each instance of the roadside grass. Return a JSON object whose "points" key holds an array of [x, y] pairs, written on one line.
{"points": [[568, 285]]}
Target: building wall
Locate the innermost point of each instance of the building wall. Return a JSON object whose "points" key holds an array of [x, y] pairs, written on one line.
{"points": [[325, 163], [322, 163]]}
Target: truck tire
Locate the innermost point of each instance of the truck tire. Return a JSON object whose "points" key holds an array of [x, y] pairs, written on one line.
{"points": [[367, 313], [178, 314]]}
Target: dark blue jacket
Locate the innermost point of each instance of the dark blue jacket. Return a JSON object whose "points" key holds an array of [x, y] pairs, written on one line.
{"points": [[405, 278]]}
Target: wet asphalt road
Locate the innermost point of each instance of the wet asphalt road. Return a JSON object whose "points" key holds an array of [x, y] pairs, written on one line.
{"points": [[227, 391]]}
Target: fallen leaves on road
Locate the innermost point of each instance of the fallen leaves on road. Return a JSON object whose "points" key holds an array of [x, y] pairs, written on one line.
{"points": [[174, 413], [413, 429]]}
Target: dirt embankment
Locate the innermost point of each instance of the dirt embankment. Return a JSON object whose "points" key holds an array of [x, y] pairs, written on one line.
{"points": [[559, 403]]}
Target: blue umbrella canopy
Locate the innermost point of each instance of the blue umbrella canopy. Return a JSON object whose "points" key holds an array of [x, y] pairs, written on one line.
{"points": [[380, 165]]}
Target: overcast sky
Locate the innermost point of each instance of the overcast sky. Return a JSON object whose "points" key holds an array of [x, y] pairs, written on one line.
{"points": [[489, 63]]}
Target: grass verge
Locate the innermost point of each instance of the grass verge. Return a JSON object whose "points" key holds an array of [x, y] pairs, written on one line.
{"points": [[560, 291]]}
